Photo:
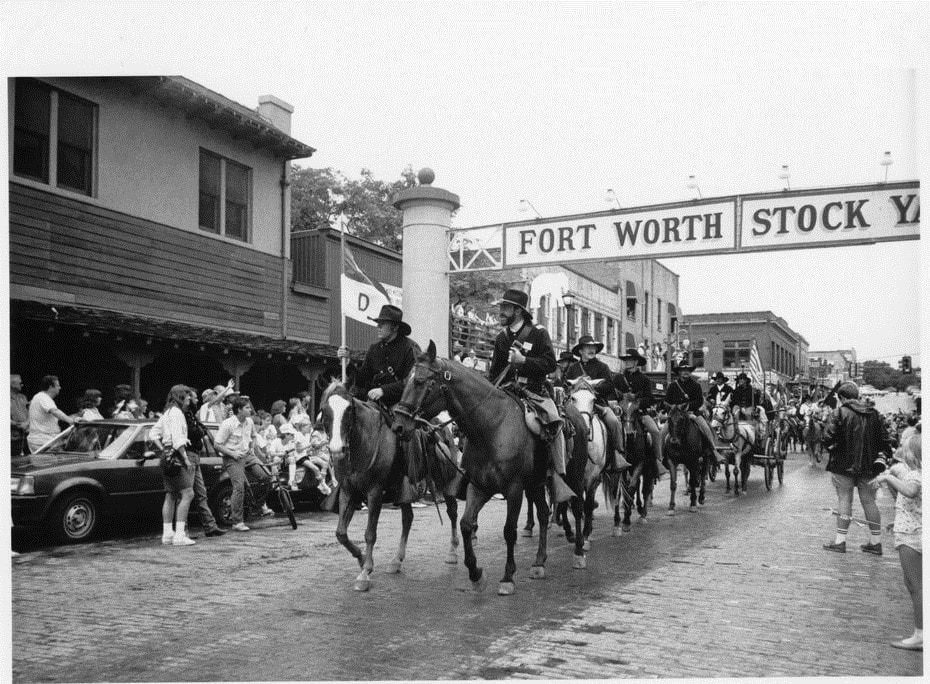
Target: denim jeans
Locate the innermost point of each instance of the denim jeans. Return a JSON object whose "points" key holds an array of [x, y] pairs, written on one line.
{"points": [[199, 504], [236, 471]]}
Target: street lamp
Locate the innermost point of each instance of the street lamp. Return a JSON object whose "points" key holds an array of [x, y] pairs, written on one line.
{"points": [[886, 162], [526, 205], [785, 176], [568, 299], [611, 196], [693, 185]]}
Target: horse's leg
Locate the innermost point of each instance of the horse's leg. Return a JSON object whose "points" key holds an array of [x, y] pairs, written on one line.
{"points": [[538, 571], [737, 457], [406, 520], [704, 475], [672, 485], [726, 472], [628, 492], [589, 499], [363, 581], [452, 510], [528, 528], [562, 516], [514, 501], [346, 511], [578, 513], [693, 474], [475, 501]]}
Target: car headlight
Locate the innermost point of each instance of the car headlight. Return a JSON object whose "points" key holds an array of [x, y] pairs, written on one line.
{"points": [[23, 485]]}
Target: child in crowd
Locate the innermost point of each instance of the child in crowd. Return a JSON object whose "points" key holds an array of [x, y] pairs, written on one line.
{"points": [[305, 455], [281, 449], [319, 453], [904, 480]]}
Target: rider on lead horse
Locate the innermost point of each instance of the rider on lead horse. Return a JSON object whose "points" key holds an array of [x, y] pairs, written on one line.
{"points": [[721, 392], [382, 375], [523, 356], [685, 389], [594, 368], [634, 381]]}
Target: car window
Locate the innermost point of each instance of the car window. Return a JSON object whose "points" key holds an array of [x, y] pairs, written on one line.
{"points": [[117, 442], [139, 445]]}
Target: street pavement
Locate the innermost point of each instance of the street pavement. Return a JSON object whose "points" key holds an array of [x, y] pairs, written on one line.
{"points": [[740, 588]]}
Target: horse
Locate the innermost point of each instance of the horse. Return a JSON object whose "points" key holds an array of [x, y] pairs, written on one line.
{"points": [[501, 453], [365, 453], [585, 464], [634, 484], [813, 439], [684, 446], [741, 436]]}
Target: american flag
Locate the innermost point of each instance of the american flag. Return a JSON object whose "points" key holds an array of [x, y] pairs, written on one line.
{"points": [[755, 366]]}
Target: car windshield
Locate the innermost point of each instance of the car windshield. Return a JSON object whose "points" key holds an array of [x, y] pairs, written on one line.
{"points": [[104, 441]]}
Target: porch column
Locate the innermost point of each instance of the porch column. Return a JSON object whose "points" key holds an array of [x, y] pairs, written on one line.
{"points": [[427, 219], [136, 360], [236, 367]]}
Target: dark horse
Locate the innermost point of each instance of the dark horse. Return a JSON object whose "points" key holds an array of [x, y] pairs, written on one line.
{"points": [[813, 439], [365, 455], [684, 446], [501, 454], [633, 485]]}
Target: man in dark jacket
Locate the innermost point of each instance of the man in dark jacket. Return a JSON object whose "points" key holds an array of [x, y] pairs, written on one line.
{"points": [[196, 435], [750, 405], [633, 381], [855, 437], [382, 375], [523, 357], [685, 389], [595, 369], [721, 391]]}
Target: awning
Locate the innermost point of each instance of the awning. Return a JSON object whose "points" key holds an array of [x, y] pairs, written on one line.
{"points": [[630, 289]]}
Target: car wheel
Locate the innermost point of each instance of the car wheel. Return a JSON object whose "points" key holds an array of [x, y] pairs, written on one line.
{"points": [[76, 517], [222, 506]]}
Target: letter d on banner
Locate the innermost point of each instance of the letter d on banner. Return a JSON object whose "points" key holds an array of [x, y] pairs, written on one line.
{"points": [[363, 302]]}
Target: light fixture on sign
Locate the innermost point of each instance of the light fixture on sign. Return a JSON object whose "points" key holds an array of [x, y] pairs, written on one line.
{"points": [[785, 176], [526, 205], [693, 185], [886, 162], [568, 298], [611, 196]]}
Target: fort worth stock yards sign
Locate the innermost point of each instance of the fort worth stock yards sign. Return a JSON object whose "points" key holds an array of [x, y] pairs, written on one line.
{"points": [[825, 217]]}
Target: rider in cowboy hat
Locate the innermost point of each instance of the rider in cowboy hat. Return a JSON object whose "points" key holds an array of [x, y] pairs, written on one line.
{"points": [[685, 388], [592, 367], [750, 406], [523, 356], [386, 366], [632, 380], [721, 392]]}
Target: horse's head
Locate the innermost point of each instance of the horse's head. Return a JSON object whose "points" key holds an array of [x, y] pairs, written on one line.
{"points": [[629, 409], [423, 394], [337, 409], [677, 422], [583, 392]]}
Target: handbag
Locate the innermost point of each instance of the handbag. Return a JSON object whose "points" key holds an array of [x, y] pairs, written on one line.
{"points": [[171, 461]]}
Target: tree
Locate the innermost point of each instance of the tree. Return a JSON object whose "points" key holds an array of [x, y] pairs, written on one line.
{"points": [[320, 196], [882, 376]]}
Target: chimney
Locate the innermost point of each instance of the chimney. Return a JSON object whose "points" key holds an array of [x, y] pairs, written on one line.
{"points": [[278, 112]]}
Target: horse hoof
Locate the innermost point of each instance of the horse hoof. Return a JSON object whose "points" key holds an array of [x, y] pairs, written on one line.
{"points": [[587, 545], [642, 519], [362, 585], [692, 509], [538, 572], [627, 528], [670, 512], [618, 531], [526, 532], [505, 589], [393, 567], [579, 563], [478, 585], [452, 559]]}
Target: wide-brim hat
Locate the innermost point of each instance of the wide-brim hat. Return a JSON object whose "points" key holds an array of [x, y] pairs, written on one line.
{"points": [[683, 366], [392, 314], [720, 376], [516, 297], [566, 356], [587, 341], [742, 376], [633, 353]]}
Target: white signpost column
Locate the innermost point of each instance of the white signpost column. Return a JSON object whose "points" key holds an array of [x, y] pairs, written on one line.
{"points": [[427, 219]]}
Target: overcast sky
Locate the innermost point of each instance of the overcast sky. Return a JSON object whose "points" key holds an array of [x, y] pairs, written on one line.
{"points": [[557, 102]]}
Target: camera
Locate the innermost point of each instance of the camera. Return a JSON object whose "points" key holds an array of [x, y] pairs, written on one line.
{"points": [[879, 465]]}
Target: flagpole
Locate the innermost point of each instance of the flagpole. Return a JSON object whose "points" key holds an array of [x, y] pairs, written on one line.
{"points": [[342, 270]]}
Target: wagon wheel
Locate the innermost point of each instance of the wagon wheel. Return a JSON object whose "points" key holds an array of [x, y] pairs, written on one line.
{"points": [[782, 443], [769, 462]]}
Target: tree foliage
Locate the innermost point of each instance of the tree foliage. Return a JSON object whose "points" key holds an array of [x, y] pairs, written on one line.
{"points": [[478, 288], [319, 197], [882, 376]]}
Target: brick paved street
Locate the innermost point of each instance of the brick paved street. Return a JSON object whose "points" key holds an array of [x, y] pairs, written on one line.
{"points": [[741, 588]]}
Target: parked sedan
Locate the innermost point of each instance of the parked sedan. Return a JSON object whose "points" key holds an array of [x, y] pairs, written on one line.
{"points": [[93, 473]]}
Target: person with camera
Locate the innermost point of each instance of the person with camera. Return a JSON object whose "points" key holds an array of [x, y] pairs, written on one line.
{"points": [[856, 439], [197, 435], [169, 435]]}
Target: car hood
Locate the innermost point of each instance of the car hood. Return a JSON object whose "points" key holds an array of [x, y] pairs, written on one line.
{"points": [[30, 462]]}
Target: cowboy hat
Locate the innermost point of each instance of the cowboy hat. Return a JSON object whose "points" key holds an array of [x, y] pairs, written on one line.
{"points": [[742, 376], [566, 356], [392, 314], [684, 365], [587, 341], [517, 298], [633, 353], [720, 376]]}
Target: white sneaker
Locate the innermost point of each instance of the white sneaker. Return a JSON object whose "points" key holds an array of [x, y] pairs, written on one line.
{"points": [[266, 511], [240, 527], [167, 538], [182, 540]]}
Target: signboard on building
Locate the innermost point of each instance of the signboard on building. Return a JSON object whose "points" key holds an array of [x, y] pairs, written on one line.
{"points": [[824, 217]]}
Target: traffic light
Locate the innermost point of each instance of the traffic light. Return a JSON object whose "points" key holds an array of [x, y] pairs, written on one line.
{"points": [[906, 365]]}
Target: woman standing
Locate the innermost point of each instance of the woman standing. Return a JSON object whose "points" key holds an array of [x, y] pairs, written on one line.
{"points": [[89, 405], [171, 432]]}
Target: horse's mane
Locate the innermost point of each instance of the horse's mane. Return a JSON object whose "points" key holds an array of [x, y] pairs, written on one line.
{"points": [[335, 387]]}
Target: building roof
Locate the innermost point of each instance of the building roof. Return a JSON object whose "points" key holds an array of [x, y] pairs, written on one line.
{"points": [[219, 111], [740, 317]]}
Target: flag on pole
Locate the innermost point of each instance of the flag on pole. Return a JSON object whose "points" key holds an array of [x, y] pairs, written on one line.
{"points": [[756, 373], [362, 297]]}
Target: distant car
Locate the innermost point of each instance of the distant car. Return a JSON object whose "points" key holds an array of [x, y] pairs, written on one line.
{"points": [[97, 472]]}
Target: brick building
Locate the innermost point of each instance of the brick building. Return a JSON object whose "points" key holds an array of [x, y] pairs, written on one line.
{"points": [[829, 367]]}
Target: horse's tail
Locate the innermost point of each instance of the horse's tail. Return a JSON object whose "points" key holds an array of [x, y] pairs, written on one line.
{"points": [[610, 484]]}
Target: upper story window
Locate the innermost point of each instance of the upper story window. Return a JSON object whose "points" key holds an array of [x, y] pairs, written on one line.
{"points": [[736, 353], [646, 320], [658, 314], [54, 136], [225, 205]]}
